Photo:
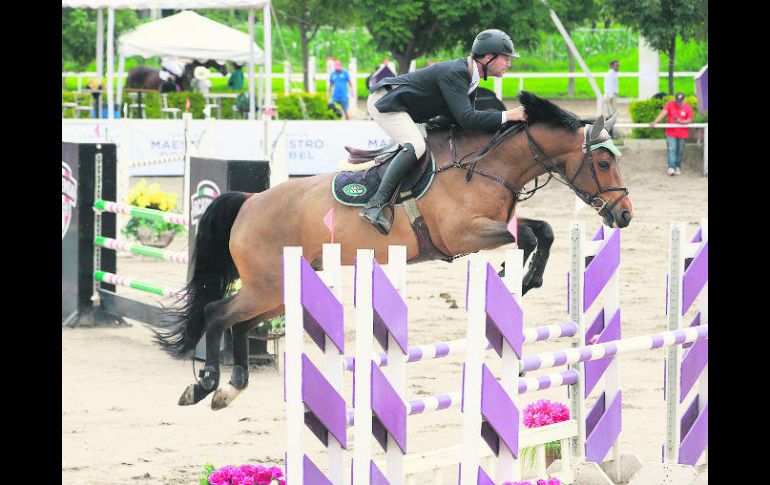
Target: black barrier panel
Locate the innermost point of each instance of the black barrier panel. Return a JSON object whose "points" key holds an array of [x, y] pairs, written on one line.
{"points": [[78, 184], [210, 177]]}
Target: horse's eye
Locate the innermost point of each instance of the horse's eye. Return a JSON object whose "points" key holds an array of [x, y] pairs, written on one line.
{"points": [[604, 165]]}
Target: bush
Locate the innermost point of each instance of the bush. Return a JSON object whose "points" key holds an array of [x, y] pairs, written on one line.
{"points": [[645, 111], [317, 106]]}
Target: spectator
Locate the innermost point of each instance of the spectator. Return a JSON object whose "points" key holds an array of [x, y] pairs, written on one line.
{"points": [[679, 112], [201, 83], [236, 82], [339, 80], [610, 99]]}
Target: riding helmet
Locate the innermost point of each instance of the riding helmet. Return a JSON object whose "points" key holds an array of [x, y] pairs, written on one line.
{"points": [[493, 41]]}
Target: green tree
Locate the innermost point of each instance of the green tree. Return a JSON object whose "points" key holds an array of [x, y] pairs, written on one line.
{"points": [[661, 21], [572, 14], [78, 34], [309, 16], [410, 29]]}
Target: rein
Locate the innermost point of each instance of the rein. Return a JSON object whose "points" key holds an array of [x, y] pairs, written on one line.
{"points": [[538, 154]]}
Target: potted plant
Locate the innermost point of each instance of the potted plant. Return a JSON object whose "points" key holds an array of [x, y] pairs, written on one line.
{"points": [[242, 475], [152, 233], [542, 413]]}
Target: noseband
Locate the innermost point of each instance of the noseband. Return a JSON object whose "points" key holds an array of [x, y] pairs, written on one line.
{"points": [[594, 200]]}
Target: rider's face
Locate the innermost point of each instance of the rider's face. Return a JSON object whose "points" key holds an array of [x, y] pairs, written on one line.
{"points": [[498, 67]]}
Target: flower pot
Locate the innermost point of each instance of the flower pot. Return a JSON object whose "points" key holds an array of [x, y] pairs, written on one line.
{"points": [[149, 237], [551, 455]]}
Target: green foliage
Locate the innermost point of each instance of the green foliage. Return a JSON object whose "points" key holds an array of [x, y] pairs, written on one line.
{"points": [[78, 34], [645, 111], [410, 29], [317, 106], [208, 469]]}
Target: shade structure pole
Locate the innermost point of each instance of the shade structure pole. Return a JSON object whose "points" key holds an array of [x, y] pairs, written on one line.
{"points": [[100, 43], [250, 64], [268, 73], [110, 63]]}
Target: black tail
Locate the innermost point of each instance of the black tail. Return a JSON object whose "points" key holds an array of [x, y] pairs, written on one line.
{"points": [[213, 273]]}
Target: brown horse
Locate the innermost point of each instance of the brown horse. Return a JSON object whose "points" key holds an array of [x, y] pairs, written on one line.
{"points": [[243, 235], [146, 77]]}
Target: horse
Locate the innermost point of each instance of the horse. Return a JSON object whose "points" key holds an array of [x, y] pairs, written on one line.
{"points": [[466, 210], [145, 77]]}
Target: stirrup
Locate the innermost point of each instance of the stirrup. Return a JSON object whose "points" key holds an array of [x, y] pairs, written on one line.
{"points": [[382, 227]]}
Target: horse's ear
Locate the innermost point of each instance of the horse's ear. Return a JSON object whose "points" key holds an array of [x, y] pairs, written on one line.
{"points": [[596, 129], [611, 122]]}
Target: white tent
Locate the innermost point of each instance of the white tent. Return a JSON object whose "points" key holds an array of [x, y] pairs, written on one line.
{"points": [[187, 35], [251, 5], [191, 36]]}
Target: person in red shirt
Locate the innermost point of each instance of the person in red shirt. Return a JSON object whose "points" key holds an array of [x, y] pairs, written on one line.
{"points": [[681, 113]]}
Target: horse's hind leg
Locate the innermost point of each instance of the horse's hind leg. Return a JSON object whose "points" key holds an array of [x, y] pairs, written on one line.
{"points": [[239, 379], [219, 316]]}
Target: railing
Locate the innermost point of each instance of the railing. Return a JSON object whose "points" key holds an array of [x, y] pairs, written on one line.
{"points": [[702, 126]]}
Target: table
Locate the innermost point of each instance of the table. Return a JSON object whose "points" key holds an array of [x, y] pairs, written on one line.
{"points": [[139, 102], [217, 100]]}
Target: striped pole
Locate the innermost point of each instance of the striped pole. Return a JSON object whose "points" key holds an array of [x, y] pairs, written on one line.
{"points": [[438, 350], [114, 279], [616, 347], [118, 245], [152, 214], [453, 399]]}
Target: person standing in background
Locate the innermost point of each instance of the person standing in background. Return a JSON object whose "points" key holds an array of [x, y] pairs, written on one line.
{"points": [[236, 82], [339, 80], [678, 112], [610, 99]]}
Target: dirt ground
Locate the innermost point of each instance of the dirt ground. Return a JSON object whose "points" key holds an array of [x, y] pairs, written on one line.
{"points": [[121, 423]]}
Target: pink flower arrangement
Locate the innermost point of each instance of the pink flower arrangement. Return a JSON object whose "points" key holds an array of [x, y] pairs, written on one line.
{"points": [[544, 412], [550, 481], [247, 475]]}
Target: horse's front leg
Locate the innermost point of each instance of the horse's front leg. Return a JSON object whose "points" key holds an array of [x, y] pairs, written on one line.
{"points": [[527, 242], [543, 234]]}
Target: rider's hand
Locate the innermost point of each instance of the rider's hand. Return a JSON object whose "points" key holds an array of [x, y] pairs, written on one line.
{"points": [[652, 123], [517, 114]]}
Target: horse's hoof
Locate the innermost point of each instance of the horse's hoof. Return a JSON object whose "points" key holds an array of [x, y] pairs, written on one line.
{"points": [[224, 396], [192, 395]]}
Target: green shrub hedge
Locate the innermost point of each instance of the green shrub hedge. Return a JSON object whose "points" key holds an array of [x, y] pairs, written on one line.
{"points": [[317, 106], [645, 111]]}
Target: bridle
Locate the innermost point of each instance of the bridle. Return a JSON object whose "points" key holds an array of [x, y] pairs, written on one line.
{"points": [[594, 200], [550, 167]]}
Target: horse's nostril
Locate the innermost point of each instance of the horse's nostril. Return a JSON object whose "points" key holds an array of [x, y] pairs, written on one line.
{"points": [[626, 216]]}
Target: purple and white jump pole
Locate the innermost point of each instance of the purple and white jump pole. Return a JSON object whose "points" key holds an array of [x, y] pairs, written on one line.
{"points": [[686, 390], [594, 286], [312, 396]]}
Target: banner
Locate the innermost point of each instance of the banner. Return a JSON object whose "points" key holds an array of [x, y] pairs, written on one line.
{"points": [[312, 147]]}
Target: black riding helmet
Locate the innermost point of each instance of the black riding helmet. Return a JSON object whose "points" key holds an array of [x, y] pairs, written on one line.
{"points": [[492, 41]]}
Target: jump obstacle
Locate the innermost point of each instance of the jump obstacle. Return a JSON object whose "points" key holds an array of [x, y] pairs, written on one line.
{"points": [[495, 320], [89, 227]]}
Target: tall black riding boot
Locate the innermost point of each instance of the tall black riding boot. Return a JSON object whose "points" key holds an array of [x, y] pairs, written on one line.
{"points": [[404, 160]]}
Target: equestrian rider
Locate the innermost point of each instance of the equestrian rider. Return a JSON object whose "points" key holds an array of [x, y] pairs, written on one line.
{"points": [[448, 88]]}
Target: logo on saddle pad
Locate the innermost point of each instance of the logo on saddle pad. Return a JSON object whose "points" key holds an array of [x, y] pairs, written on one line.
{"points": [[204, 195], [354, 190], [69, 197]]}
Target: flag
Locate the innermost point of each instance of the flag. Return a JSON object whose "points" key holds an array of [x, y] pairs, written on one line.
{"points": [[187, 105], [98, 136], [513, 228], [329, 221]]}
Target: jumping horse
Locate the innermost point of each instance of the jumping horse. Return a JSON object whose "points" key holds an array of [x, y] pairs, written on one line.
{"points": [[465, 210], [146, 77]]}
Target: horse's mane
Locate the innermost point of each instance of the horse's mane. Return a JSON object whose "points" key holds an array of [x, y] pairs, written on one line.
{"points": [[541, 110], [538, 110]]}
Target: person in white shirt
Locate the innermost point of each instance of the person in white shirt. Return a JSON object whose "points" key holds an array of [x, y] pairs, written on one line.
{"points": [[609, 106]]}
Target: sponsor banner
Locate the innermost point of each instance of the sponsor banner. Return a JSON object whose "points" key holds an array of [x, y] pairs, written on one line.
{"points": [[204, 195], [69, 196], [312, 147]]}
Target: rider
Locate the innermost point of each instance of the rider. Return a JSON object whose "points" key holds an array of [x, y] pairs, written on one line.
{"points": [[447, 88]]}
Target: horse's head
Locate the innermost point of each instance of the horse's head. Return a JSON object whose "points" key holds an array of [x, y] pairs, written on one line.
{"points": [[594, 174], [587, 160]]}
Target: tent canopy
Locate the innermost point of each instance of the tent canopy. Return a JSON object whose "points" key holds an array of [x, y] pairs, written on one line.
{"points": [[188, 35]]}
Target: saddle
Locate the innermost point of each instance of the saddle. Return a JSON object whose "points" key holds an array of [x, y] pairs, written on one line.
{"points": [[382, 158]]}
